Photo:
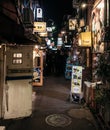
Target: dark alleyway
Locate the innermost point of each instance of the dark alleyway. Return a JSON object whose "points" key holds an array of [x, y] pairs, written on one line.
{"points": [[50, 101]]}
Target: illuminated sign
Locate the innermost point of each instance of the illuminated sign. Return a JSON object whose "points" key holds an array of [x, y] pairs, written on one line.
{"points": [[59, 41], [85, 39], [72, 24], [39, 13], [49, 29], [43, 34], [39, 27]]}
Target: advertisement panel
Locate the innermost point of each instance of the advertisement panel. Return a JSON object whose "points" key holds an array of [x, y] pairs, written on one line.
{"points": [[39, 13], [76, 81], [98, 26], [72, 24]]}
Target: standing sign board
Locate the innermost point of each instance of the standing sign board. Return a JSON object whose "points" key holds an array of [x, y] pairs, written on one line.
{"points": [[76, 81]]}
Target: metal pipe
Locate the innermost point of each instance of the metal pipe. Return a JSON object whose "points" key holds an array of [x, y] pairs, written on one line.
{"points": [[108, 13]]}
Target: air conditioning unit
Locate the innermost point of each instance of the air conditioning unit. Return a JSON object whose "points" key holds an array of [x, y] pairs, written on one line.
{"points": [[28, 16]]}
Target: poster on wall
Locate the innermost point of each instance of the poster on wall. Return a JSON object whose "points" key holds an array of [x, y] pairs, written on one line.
{"points": [[36, 74], [98, 27], [76, 80]]}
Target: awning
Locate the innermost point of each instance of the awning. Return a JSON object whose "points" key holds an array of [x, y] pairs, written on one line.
{"points": [[16, 33]]}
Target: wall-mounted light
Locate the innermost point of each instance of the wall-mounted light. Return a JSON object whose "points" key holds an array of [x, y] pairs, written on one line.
{"points": [[83, 5]]}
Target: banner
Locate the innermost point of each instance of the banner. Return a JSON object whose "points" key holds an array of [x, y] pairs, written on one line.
{"points": [[76, 80]]}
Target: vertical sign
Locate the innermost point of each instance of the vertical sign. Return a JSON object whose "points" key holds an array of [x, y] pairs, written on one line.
{"points": [[39, 27], [39, 13], [76, 81], [72, 24]]}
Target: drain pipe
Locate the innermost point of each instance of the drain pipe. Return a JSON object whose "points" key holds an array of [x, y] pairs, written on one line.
{"points": [[108, 13]]}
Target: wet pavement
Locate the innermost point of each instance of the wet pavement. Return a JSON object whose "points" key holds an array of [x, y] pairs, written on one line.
{"points": [[52, 110]]}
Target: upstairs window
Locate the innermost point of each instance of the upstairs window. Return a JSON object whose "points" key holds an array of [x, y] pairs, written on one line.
{"points": [[17, 58]]}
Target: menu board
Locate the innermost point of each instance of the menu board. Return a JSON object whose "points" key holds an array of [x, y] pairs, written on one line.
{"points": [[76, 80]]}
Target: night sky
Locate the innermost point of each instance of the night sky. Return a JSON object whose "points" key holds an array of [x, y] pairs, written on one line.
{"points": [[56, 9]]}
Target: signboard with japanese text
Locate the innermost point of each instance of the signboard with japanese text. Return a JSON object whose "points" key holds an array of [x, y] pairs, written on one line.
{"points": [[76, 80], [39, 27], [85, 39]]}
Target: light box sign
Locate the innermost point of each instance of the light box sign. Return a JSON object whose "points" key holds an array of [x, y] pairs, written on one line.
{"points": [[43, 34], [72, 24], [85, 39], [49, 29], [39, 27], [59, 41], [39, 13]]}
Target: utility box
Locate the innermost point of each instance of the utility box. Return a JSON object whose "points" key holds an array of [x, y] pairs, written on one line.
{"points": [[17, 90]]}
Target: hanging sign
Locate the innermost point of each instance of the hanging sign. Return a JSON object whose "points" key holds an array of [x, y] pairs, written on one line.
{"points": [[39, 13], [72, 24], [85, 39], [39, 27], [76, 81]]}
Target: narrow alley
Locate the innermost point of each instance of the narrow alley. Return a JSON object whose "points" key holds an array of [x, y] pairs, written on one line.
{"points": [[53, 111]]}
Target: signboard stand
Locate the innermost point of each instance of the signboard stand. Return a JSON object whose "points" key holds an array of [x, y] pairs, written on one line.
{"points": [[76, 84]]}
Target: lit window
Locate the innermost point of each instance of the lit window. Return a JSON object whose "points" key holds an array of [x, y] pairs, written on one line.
{"points": [[17, 55], [17, 58]]}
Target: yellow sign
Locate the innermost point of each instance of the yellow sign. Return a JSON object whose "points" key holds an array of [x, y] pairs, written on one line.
{"points": [[85, 39], [39, 27]]}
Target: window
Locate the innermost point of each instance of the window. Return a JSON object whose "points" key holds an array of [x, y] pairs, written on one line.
{"points": [[17, 55]]}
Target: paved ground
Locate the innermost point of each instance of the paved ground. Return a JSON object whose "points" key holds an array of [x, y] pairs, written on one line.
{"points": [[52, 111]]}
